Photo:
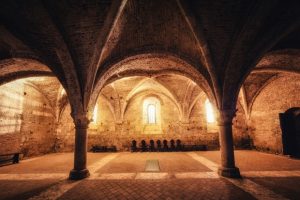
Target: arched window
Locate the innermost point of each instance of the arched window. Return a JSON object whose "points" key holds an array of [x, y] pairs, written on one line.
{"points": [[210, 117], [151, 114]]}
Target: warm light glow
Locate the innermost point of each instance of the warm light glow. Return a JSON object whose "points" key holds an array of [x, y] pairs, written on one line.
{"points": [[151, 111], [210, 117], [95, 113], [62, 92]]}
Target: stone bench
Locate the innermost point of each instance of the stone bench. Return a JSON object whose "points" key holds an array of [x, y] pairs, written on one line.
{"points": [[11, 157], [98, 148]]}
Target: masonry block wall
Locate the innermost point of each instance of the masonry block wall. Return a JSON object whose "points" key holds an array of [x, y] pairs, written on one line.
{"points": [[277, 97], [240, 129], [106, 132], [26, 120]]}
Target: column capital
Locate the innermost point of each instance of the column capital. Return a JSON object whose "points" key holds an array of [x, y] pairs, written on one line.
{"points": [[81, 120], [225, 116]]}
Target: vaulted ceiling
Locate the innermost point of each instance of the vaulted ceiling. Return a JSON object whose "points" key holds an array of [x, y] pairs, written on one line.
{"points": [[181, 91], [89, 44]]}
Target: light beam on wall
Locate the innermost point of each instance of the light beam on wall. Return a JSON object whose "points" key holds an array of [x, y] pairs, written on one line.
{"points": [[62, 92], [95, 113], [210, 117]]}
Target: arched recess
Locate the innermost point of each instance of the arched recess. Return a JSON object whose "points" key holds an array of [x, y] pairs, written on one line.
{"points": [[279, 62], [154, 93], [276, 97], [260, 89], [134, 117], [160, 89], [149, 65]]}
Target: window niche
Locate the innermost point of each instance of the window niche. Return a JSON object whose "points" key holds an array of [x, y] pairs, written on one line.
{"points": [[151, 115]]}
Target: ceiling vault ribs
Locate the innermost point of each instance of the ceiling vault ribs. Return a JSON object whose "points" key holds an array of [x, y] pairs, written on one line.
{"points": [[88, 44], [255, 16], [289, 22], [275, 69], [63, 51], [244, 101], [102, 43], [203, 48], [265, 84]]}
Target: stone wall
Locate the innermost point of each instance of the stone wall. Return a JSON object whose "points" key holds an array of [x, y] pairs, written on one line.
{"points": [[104, 131], [26, 120], [277, 97], [240, 131]]}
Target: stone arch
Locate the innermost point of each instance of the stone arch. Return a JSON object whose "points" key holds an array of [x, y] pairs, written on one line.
{"points": [[148, 93], [276, 97], [166, 93], [149, 65], [15, 68], [258, 92]]}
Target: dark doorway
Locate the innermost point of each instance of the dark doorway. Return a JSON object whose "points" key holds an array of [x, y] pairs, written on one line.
{"points": [[290, 126]]}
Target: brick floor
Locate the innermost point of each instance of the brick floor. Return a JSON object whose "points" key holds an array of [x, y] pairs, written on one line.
{"points": [[146, 189], [51, 163], [182, 176], [256, 161], [18, 190], [287, 187], [168, 162]]}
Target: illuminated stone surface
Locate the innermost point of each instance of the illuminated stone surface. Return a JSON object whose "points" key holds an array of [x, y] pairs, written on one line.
{"points": [[92, 67]]}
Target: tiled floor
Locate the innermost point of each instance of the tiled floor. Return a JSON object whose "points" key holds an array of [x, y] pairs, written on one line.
{"points": [[182, 175]]}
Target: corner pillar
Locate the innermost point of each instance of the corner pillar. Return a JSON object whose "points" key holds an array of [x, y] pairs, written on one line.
{"points": [[227, 168], [80, 153]]}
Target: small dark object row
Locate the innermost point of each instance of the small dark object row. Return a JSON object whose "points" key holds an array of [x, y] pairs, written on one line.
{"points": [[7, 158], [164, 146], [97, 148]]}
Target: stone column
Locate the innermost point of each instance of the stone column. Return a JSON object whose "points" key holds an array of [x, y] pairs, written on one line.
{"points": [[80, 152], [227, 168]]}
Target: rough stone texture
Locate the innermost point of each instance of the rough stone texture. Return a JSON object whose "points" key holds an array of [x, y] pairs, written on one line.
{"points": [[241, 136], [27, 119], [151, 189], [120, 117], [214, 43], [220, 40], [105, 131], [277, 97]]}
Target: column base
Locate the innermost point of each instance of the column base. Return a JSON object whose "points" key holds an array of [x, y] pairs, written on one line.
{"points": [[229, 172], [79, 174]]}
